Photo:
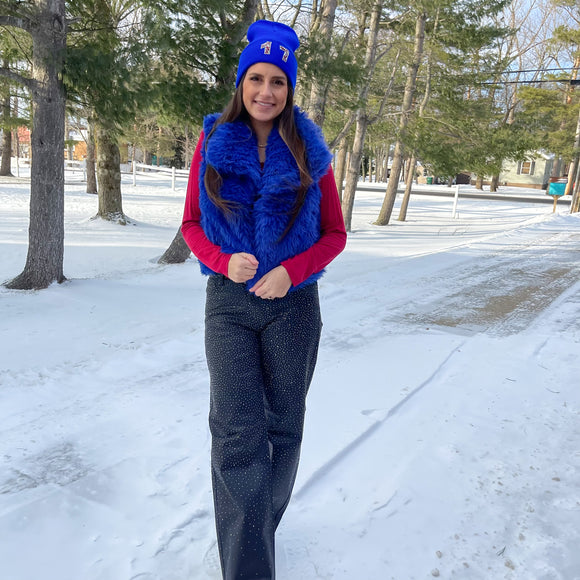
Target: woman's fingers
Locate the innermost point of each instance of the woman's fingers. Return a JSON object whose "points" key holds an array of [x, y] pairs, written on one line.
{"points": [[242, 267], [274, 284]]}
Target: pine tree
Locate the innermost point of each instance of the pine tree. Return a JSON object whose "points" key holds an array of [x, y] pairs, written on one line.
{"points": [[46, 24]]}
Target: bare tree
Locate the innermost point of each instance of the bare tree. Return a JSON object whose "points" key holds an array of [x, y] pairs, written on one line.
{"points": [[45, 21], [413, 159], [398, 155], [109, 177], [575, 206], [362, 119], [91, 158], [322, 26], [340, 167], [6, 148]]}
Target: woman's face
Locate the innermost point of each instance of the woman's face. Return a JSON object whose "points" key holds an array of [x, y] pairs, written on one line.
{"points": [[264, 92]]}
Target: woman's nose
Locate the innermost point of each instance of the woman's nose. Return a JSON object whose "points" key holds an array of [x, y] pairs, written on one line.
{"points": [[266, 89]]}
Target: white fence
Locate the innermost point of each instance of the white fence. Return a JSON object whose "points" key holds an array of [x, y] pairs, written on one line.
{"points": [[16, 163], [175, 173], [72, 166], [76, 167]]}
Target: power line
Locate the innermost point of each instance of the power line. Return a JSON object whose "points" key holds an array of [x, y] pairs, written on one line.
{"points": [[537, 70], [572, 82], [538, 81]]}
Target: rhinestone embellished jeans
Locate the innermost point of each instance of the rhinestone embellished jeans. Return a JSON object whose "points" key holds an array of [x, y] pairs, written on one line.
{"points": [[261, 356]]}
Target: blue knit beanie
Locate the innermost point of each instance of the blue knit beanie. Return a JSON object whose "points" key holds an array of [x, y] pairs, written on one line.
{"points": [[271, 42]]}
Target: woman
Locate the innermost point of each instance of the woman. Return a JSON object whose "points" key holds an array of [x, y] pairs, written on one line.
{"points": [[262, 215]]}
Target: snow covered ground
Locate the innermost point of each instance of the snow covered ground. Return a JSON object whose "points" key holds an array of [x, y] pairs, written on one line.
{"points": [[443, 426]]}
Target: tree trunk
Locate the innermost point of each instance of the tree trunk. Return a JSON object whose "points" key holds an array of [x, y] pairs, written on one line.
{"points": [[574, 164], [575, 205], [158, 154], [381, 164], [362, 122], [479, 182], [340, 169], [90, 161], [493, 183], [353, 170], [44, 262], [408, 187], [177, 252], [571, 188], [393, 183], [318, 91], [235, 31], [68, 144], [109, 176], [6, 153], [6, 138]]}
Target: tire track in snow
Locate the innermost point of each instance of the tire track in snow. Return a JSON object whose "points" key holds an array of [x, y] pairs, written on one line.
{"points": [[343, 455], [499, 294], [511, 289]]}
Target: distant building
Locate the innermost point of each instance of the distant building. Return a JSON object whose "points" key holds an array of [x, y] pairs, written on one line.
{"points": [[23, 142], [534, 172]]}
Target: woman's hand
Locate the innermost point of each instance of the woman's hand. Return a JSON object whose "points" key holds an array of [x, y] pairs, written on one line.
{"points": [[274, 284], [242, 267]]}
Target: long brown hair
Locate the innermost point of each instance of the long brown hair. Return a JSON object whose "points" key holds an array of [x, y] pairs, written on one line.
{"points": [[234, 111]]}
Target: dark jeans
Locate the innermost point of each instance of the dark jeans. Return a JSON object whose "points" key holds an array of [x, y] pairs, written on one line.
{"points": [[261, 356]]}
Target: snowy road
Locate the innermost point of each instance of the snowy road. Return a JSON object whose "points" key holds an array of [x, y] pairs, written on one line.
{"points": [[468, 192], [500, 292], [443, 429]]}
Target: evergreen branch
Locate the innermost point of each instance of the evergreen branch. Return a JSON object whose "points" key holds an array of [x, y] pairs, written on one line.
{"points": [[388, 90], [16, 40], [10, 74], [15, 21], [16, 14], [223, 19]]}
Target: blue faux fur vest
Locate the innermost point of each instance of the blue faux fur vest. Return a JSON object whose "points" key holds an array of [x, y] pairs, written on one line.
{"points": [[265, 196]]}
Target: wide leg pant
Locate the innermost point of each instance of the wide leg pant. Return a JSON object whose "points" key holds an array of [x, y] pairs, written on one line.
{"points": [[261, 356]]}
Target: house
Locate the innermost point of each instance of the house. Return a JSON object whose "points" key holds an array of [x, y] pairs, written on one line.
{"points": [[534, 172], [22, 141]]}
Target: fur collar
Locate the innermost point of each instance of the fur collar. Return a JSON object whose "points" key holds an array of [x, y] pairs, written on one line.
{"points": [[264, 196]]}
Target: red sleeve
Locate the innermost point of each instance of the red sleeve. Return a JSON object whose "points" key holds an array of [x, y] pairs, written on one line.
{"points": [[208, 253], [332, 235]]}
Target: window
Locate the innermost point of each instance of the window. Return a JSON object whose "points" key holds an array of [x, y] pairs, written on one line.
{"points": [[526, 167]]}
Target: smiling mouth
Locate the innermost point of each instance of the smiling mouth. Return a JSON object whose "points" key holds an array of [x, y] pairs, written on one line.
{"points": [[262, 104]]}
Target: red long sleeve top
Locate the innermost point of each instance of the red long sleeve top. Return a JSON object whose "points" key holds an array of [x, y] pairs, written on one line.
{"points": [[332, 232]]}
